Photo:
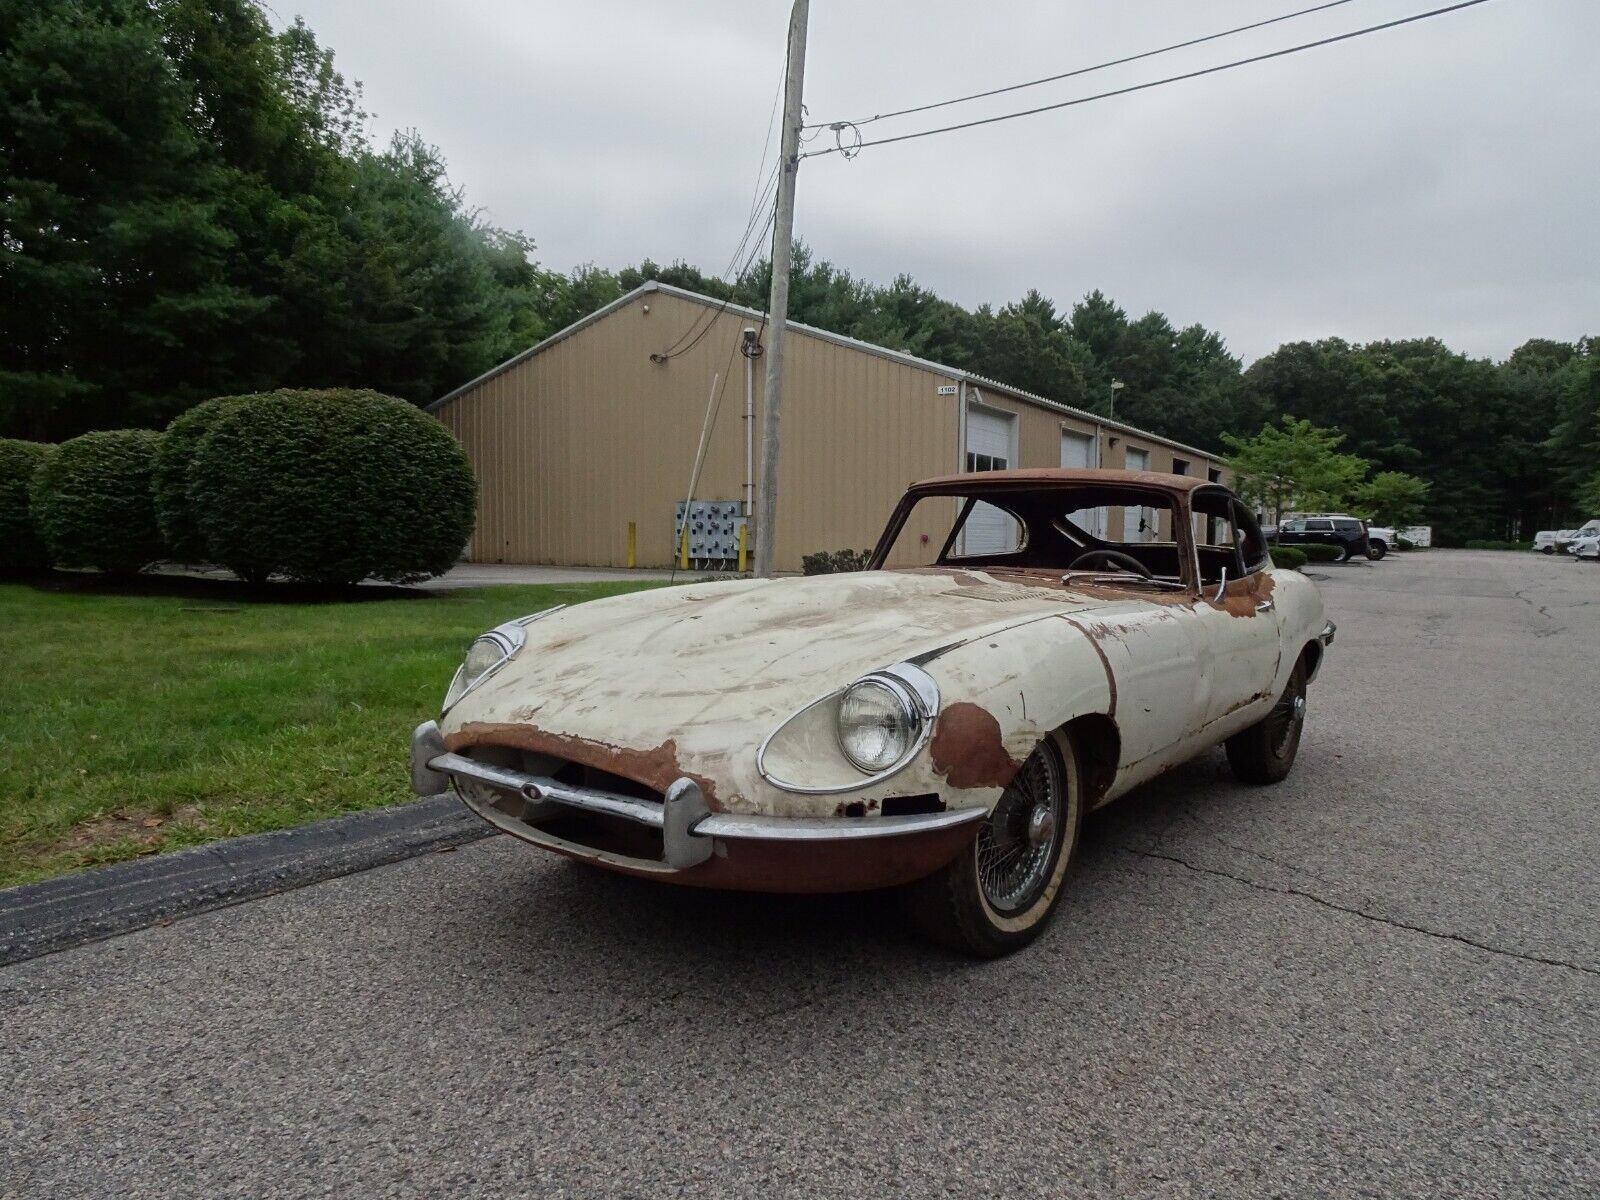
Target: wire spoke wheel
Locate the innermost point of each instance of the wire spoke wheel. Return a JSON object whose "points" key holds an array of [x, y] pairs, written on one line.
{"points": [[1285, 720], [1016, 846]]}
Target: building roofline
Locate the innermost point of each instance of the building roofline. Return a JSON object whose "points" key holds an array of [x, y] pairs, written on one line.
{"points": [[899, 356]]}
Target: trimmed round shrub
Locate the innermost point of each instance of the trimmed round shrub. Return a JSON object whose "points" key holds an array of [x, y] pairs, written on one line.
{"points": [[1320, 552], [331, 487], [179, 529], [91, 501], [22, 551], [1290, 557]]}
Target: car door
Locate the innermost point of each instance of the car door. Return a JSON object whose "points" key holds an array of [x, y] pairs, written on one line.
{"points": [[1241, 637]]}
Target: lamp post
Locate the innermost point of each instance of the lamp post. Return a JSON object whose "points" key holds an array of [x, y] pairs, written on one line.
{"points": [[1116, 386]]}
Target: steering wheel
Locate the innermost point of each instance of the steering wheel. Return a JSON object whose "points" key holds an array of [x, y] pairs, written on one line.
{"points": [[1115, 558]]}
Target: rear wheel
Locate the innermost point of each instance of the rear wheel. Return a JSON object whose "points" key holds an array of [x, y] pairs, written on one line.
{"points": [[1343, 554], [1265, 752], [1376, 550], [998, 896]]}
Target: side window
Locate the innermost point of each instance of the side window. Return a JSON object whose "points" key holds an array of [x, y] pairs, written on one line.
{"points": [[989, 530], [1319, 526], [1252, 546], [1216, 536]]}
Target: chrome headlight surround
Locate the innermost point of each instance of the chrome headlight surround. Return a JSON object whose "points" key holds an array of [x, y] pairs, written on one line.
{"points": [[910, 685], [494, 649]]}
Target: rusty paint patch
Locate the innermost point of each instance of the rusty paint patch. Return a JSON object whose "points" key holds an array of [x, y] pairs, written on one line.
{"points": [[967, 748], [855, 808], [655, 768], [1242, 603]]}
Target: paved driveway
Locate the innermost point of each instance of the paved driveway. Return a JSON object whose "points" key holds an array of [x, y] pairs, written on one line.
{"points": [[1380, 978]]}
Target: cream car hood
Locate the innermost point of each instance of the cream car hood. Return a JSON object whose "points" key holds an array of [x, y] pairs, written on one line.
{"points": [[714, 667]]}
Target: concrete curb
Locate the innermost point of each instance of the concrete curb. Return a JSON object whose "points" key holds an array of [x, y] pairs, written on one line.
{"points": [[57, 914]]}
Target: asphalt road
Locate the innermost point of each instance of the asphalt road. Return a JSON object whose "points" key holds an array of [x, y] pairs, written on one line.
{"points": [[1380, 978]]}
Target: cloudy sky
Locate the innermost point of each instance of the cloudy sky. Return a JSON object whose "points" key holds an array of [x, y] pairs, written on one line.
{"points": [[1440, 178]]}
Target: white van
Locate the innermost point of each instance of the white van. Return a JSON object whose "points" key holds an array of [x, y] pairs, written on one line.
{"points": [[1559, 541], [1587, 542]]}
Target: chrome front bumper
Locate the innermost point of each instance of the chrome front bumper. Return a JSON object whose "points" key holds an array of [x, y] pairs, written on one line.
{"points": [[689, 829]]}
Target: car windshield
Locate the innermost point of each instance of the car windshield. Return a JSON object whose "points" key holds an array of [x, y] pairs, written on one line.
{"points": [[1123, 534]]}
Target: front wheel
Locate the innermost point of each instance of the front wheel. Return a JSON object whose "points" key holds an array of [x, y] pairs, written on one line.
{"points": [[1265, 752], [1376, 550], [996, 897]]}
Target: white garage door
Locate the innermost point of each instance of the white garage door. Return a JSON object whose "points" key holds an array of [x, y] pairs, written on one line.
{"points": [[1077, 450], [989, 530], [1134, 518]]}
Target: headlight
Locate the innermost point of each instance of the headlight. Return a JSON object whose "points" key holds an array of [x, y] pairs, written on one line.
{"points": [[879, 723], [484, 655], [489, 653]]}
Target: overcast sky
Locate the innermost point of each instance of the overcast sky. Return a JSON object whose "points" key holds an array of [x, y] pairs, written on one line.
{"points": [[1440, 178]]}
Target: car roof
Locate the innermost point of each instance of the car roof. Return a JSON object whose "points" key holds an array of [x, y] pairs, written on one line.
{"points": [[1056, 476]]}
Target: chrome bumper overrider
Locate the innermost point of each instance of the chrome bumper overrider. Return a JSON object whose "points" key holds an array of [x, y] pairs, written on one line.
{"points": [[1328, 630], [688, 826]]}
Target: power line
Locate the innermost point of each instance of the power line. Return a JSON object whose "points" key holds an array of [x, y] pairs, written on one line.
{"points": [[1139, 87], [766, 184], [1116, 62], [678, 348]]}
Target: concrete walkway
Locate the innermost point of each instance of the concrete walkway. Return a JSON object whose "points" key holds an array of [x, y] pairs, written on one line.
{"points": [[493, 574]]}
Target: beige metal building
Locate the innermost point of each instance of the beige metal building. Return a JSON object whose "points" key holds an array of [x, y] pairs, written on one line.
{"points": [[599, 426]]}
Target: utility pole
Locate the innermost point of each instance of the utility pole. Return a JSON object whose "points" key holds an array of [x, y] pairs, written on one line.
{"points": [[778, 305], [1116, 386]]}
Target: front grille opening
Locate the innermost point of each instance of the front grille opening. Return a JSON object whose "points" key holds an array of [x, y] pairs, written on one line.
{"points": [[600, 832], [605, 781]]}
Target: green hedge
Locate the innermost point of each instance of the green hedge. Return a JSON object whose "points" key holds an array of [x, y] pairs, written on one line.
{"points": [[179, 529], [1491, 544], [1291, 557], [1317, 552], [22, 551], [331, 487], [92, 501], [827, 562]]}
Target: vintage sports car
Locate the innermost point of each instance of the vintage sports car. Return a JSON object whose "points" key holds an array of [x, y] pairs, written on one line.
{"points": [[939, 722]]}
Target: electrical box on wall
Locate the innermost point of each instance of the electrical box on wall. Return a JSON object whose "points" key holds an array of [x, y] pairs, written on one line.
{"points": [[713, 530]]}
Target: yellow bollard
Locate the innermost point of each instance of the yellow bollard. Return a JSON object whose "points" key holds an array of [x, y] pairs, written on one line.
{"points": [[633, 544], [683, 549], [743, 530]]}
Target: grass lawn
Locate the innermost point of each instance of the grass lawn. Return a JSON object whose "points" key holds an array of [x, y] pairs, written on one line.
{"points": [[177, 711]]}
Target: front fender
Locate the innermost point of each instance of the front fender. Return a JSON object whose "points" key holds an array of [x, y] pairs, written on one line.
{"points": [[1002, 695]]}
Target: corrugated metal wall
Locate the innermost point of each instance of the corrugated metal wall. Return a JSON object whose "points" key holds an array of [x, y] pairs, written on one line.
{"points": [[584, 437]]}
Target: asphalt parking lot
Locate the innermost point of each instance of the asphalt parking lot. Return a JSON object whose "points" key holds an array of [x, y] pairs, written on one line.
{"points": [[1381, 977]]}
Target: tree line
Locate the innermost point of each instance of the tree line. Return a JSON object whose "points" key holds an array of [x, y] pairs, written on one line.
{"points": [[192, 207]]}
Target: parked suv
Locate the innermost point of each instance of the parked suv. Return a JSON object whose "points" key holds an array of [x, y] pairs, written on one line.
{"points": [[1346, 533]]}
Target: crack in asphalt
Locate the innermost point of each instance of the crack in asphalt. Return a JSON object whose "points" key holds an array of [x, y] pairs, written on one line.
{"points": [[1377, 918], [632, 1017]]}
